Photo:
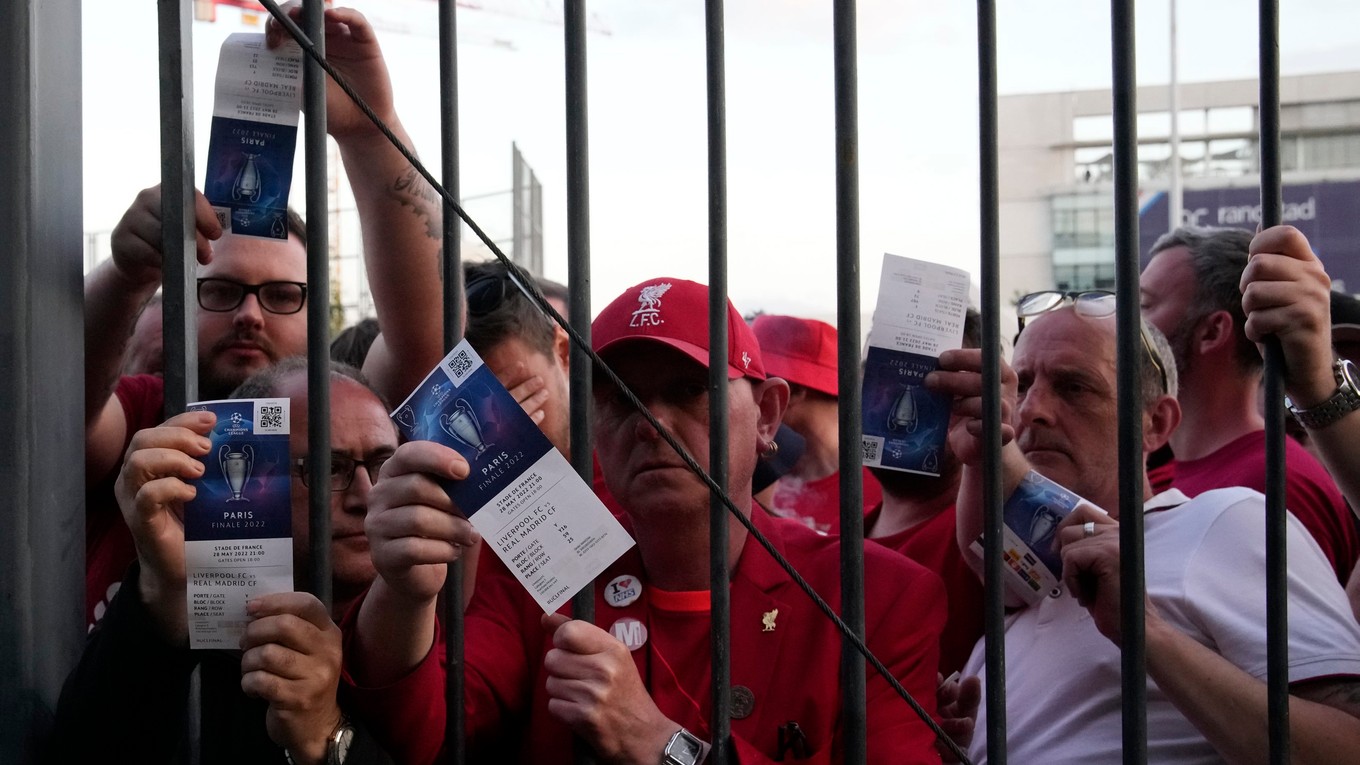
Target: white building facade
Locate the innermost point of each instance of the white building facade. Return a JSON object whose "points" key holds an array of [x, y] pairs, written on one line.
{"points": [[1056, 172]]}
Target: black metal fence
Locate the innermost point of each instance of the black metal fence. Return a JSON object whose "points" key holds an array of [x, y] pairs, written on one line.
{"points": [[40, 562]]}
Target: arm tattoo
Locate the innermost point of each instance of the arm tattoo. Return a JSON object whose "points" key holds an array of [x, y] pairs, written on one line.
{"points": [[1340, 693], [411, 190]]}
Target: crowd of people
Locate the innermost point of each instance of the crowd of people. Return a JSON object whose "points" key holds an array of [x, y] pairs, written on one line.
{"points": [[364, 681]]}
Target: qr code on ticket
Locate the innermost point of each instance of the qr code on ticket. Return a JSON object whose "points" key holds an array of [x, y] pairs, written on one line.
{"points": [[271, 417], [871, 451], [459, 365]]}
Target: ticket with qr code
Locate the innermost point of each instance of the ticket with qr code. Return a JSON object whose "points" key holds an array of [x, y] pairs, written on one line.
{"points": [[920, 312], [238, 528], [251, 145], [1033, 568], [521, 494]]}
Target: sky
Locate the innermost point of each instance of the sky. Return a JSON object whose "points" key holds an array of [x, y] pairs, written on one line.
{"points": [[917, 72]]}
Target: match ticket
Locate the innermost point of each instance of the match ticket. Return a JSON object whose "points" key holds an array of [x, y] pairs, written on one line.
{"points": [[1031, 516], [254, 134], [238, 529], [920, 312], [521, 495]]}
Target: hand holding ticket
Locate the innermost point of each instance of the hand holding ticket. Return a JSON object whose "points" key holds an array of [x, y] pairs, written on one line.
{"points": [[520, 493], [238, 539]]}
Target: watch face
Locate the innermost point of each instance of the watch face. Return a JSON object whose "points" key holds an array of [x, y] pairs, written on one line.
{"points": [[344, 738], [683, 749], [1348, 373]]}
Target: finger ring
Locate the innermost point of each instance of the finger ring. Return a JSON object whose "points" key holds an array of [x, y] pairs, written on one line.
{"points": [[1088, 529]]}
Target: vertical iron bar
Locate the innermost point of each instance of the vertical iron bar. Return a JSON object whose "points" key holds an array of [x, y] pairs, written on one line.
{"points": [[578, 275], [455, 727], [1277, 616], [719, 593], [178, 270], [853, 713], [1129, 346], [178, 314], [42, 563], [318, 308], [990, 249]]}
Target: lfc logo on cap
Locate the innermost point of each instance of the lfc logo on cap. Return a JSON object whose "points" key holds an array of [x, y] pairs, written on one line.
{"points": [[649, 315]]}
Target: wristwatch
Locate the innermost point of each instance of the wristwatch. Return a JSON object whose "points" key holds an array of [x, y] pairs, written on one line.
{"points": [[337, 748], [1345, 400], [337, 745], [683, 749]]}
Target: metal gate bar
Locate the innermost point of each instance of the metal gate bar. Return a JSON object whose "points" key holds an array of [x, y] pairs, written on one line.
{"points": [[455, 725], [853, 689], [318, 310], [990, 255], [1130, 399], [720, 600], [1277, 615], [578, 257]]}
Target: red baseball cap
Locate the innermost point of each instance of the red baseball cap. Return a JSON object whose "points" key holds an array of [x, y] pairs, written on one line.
{"points": [[802, 351], [675, 312]]}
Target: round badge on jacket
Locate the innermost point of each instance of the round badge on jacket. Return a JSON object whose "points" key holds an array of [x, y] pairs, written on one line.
{"points": [[622, 590], [630, 632]]}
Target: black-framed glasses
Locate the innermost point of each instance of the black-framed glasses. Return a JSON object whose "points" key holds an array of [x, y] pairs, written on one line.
{"points": [[221, 295], [486, 292], [343, 468], [1095, 303]]}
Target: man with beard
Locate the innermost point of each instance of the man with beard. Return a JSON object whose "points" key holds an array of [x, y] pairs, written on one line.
{"points": [[1190, 292], [251, 293]]}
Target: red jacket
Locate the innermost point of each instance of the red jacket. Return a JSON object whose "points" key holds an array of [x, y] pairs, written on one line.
{"points": [[792, 671]]}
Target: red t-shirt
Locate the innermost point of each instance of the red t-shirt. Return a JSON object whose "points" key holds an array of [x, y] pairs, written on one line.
{"points": [[108, 543], [784, 653], [817, 504], [1309, 492], [932, 544]]}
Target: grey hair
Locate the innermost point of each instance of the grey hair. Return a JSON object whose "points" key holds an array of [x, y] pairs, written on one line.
{"points": [[1218, 256]]}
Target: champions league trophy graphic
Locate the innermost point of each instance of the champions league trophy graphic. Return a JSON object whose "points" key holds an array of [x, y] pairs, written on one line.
{"points": [[1041, 526], [247, 185], [932, 460], [462, 424], [279, 230], [903, 414], [236, 468], [406, 416]]}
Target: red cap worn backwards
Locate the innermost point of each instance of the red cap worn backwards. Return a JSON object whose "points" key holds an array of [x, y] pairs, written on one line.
{"points": [[675, 312], [802, 351]]}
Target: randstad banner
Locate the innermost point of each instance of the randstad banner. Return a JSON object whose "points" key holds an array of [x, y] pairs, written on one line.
{"points": [[1327, 213]]}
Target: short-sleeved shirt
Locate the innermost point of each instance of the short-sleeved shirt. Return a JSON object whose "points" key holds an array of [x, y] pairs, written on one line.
{"points": [[817, 504], [1309, 491], [1205, 562], [932, 544], [108, 543]]}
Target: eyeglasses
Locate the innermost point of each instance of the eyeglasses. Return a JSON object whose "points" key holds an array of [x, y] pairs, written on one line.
{"points": [[1094, 303], [343, 469], [222, 295]]}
